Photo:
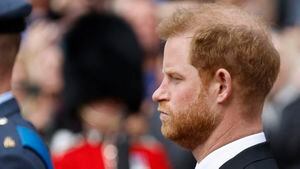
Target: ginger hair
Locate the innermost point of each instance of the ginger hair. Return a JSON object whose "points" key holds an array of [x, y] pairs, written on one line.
{"points": [[223, 36]]}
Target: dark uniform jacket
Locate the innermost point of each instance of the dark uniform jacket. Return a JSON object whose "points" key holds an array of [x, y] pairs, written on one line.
{"points": [[20, 145], [255, 157]]}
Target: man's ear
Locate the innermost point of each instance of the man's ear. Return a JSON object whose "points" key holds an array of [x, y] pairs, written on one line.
{"points": [[223, 85]]}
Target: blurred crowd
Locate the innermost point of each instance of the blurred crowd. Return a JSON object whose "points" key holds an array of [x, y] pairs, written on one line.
{"points": [[38, 82]]}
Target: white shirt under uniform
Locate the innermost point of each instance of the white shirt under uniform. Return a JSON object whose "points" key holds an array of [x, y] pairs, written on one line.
{"points": [[5, 96], [223, 154]]}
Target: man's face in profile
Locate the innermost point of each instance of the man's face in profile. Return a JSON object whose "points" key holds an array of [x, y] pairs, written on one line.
{"points": [[185, 114]]}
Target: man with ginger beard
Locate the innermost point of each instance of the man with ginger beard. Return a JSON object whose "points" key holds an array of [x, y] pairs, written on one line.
{"points": [[219, 65]]}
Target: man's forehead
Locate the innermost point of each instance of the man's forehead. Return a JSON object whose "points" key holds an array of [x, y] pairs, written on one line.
{"points": [[176, 53], [177, 68]]}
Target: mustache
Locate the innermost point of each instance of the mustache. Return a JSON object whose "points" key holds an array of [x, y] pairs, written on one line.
{"points": [[163, 107]]}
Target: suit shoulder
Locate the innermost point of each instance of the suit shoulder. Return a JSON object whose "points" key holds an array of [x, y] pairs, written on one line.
{"points": [[256, 157], [269, 163]]}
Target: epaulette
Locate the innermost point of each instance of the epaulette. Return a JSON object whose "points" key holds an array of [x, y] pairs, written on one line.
{"points": [[29, 139]]}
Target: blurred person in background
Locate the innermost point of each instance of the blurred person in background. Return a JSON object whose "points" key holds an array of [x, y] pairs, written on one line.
{"points": [[37, 75], [66, 11], [282, 107], [286, 88], [143, 21], [219, 65], [21, 147], [102, 85], [288, 13]]}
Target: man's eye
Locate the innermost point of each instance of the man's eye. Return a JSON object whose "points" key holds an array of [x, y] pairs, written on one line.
{"points": [[175, 78]]}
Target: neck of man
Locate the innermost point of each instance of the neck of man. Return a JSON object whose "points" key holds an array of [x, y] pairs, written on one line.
{"points": [[232, 127]]}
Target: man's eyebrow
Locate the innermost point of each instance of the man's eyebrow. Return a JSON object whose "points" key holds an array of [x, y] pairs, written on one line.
{"points": [[171, 71]]}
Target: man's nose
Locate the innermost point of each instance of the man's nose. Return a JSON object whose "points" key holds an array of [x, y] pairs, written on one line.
{"points": [[160, 94]]}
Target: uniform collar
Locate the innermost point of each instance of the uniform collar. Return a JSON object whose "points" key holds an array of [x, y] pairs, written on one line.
{"points": [[8, 105], [5, 97]]}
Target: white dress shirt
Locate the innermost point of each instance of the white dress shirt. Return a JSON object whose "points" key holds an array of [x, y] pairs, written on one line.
{"points": [[223, 154], [5, 96]]}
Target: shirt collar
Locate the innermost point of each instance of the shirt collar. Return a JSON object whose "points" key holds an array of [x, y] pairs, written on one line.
{"points": [[5, 97], [220, 156]]}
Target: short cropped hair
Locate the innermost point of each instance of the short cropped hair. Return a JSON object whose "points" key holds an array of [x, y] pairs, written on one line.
{"points": [[224, 36], [103, 61]]}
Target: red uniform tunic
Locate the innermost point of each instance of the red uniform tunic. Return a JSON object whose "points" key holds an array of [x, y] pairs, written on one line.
{"points": [[90, 156]]}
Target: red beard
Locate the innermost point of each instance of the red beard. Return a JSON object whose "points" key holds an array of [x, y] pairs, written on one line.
{"points": [[191, 126]]}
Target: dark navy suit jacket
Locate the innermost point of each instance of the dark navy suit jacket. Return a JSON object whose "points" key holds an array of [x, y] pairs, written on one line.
{"points": [[255, 157], [20, 145]]}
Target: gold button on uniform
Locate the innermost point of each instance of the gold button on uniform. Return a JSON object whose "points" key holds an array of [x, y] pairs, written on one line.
{"points": [[9, 142]]}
